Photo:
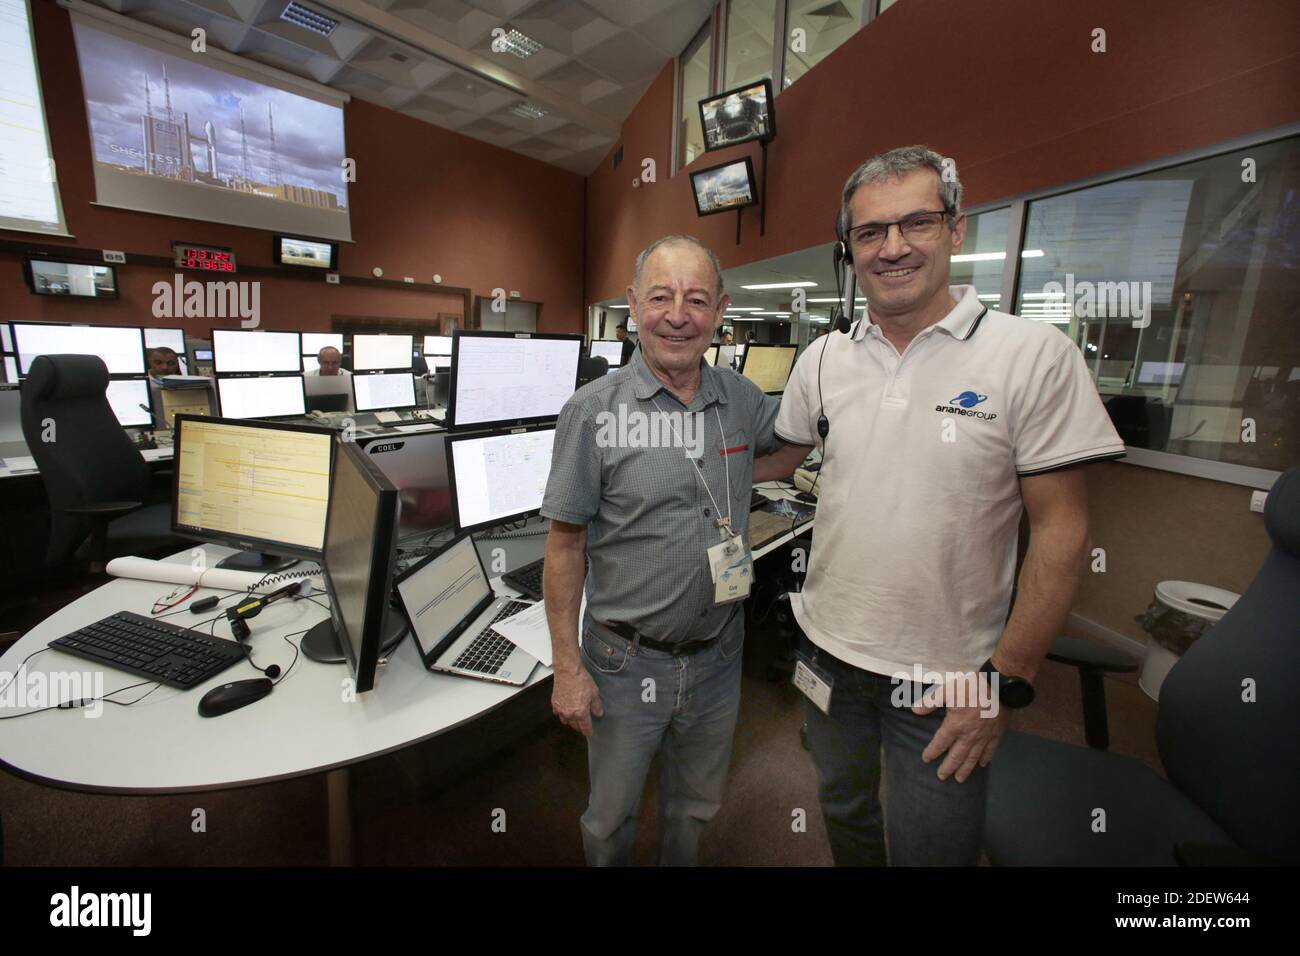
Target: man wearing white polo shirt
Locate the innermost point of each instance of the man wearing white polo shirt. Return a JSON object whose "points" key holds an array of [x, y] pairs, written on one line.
{"points": [[939, 420]]}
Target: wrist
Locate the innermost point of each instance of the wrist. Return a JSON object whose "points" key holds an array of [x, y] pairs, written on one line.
{"points": [[1013, 690]]}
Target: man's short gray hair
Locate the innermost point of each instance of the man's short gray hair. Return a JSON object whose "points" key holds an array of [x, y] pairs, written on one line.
{"points": [[894, 164], [673, 240]]}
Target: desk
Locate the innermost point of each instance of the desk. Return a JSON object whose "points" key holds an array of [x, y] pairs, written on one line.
{"points": [[162, 745]]}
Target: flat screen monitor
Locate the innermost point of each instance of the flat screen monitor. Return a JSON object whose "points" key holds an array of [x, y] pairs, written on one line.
{"points": [[11, 369], [725, 355], [724, 187], [6, 339], [768, 366], [510, 378], [611, 350], [380, 390], [73, 279], [417, 467], [313, 342], [438, 361], [272, 396], [203, 355], [738, 116], [1160, 373], [300, 253], [310, 364], [130, 401], [382, 353], [498, 478], [437, 345], [252, 485], [360, 548], [121, 347], [257, 352]]}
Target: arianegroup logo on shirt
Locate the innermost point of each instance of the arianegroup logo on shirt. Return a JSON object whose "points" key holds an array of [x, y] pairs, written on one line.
{"points": [[964, 405]]}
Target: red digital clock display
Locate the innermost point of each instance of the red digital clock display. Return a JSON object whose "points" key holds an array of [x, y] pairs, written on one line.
{"points": [[204, 258]]}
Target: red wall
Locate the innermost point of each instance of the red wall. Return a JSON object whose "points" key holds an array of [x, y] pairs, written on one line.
{"points": [[426, 201], [1009, 88]]}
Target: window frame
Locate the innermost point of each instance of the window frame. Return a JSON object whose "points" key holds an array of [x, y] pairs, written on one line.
{"points": [[705, 34]]}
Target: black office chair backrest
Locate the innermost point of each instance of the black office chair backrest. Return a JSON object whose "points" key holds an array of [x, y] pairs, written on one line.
{"points": [[1230, 708], [82, 451], [591, 369]]}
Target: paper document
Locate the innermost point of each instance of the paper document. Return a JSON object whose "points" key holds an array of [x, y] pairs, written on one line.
{"points": [[20, 464], [528, 630]]}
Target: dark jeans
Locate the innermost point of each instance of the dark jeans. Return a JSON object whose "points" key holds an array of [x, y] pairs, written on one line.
{"points": [[931, 822]]}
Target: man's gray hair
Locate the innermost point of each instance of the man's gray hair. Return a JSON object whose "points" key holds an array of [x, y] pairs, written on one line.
{"points": [[894, 164], [672, 240]]}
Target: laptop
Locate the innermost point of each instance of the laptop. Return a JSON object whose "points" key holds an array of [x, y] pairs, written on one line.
{"points": [[448, 602]]}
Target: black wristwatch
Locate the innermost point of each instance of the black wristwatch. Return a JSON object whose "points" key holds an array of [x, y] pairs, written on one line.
{"points": [[1013, 692]]}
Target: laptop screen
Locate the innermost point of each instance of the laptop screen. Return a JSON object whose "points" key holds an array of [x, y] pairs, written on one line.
{"points": [[442, 593]]}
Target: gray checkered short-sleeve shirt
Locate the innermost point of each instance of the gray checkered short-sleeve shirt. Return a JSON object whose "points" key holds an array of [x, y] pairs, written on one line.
{"points": [[649, 519]]}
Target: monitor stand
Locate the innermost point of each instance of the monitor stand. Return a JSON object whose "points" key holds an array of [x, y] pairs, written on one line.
{"points": [[321, 643], [256, 561]]}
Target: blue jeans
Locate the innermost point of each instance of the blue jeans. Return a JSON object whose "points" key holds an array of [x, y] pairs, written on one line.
{"points": [[685, 705], [931, 822]]}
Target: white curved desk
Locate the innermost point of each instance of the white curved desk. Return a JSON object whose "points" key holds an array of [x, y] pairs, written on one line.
{"points": [[162, 745]]}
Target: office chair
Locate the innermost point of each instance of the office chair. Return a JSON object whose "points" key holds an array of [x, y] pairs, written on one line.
{"points": [[94, 476], [1226, 735], [592, 368]]}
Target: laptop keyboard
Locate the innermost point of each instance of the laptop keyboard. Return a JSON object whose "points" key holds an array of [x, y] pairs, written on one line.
{"points": [[487, 652]]}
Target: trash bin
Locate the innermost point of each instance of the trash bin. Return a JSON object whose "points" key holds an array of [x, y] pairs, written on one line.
{"points": [[1180, 612]]}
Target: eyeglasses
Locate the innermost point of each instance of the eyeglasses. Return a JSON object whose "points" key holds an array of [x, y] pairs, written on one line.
{"points": [[918, 227]]}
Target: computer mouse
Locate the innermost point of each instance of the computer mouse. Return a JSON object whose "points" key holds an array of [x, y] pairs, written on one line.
{"points": [[806, 497], [227, 697]]}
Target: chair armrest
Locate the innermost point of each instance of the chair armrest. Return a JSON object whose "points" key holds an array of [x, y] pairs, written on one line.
{"points": [[1215, 854], [1085, 654], [104, 509]]}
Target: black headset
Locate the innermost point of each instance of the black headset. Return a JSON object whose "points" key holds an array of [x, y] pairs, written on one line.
{"points": [[839, 321]]}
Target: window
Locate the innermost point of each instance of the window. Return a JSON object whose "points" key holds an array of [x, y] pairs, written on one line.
{"points": [[1181, 287], [983, 255], [695, 86], [750, 27], [813, 29]]}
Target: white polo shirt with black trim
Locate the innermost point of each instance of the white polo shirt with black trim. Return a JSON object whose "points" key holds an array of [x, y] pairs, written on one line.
{"points": [[914, 552]]}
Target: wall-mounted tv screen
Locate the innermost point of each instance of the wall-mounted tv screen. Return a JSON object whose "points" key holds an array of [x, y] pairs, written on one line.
{"points": [[738, 116], [207, 136], [306, 253], [724, 188], [47, 277]]}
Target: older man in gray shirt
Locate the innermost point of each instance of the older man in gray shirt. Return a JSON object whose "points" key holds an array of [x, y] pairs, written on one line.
{"points": [[650, 480]]}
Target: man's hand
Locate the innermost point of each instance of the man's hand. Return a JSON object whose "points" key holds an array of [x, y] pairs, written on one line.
{"points": [[575, 700], [969, 735]]}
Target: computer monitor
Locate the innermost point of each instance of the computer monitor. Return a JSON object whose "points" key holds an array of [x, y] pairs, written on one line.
{"points": [[11, 369], [130, 401], [299, 252], [255, 486], [91, 281], [738, 116], [121, 347], [313, 342], [438, 362], [380, 390], [360, 551], [382, 353], [725, 355], [6, 338], [256, 351], [1160, 373], [768, 366], [724, 187], [611, 350], [510, 378], [437, 345], [500, 477], [417, 466], [711, 356], [318, 385], [272, 396]]}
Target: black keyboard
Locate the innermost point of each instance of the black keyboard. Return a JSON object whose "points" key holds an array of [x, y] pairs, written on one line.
{"points": [[489, 650], [172, 655], [527, 580]]}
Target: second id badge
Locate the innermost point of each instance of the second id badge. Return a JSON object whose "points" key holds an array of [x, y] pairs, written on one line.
{"points": [[732, 569]]}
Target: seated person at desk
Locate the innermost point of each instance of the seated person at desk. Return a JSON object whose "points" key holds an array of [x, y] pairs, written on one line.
{"points": [[330, 362], [162, 361]]}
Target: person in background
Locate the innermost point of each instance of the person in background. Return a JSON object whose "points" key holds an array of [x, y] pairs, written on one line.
{"points": [[163, 361], [629, 346], [330, 362]]}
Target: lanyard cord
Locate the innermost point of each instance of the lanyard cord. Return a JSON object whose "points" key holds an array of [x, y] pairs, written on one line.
{"points": [[698, 464]]}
